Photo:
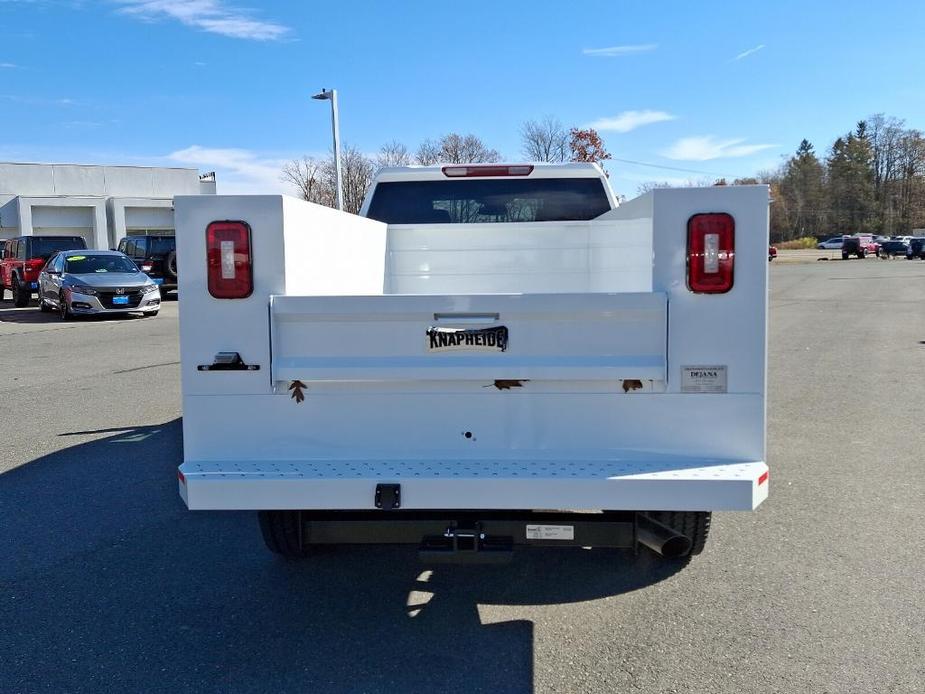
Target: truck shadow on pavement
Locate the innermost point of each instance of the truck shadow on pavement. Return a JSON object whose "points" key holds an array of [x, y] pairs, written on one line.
{"points": [[107, 583]]}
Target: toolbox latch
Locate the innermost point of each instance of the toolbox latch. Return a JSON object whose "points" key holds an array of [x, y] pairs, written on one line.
{"points": [[388, 496], [228, 361]]}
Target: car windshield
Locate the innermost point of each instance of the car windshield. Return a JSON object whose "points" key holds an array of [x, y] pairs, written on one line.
{"points": [[80, 264], [44, 248], [488, 200]]}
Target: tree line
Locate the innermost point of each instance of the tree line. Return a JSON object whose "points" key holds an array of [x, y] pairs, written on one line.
{"points": [[545, 140], [870, 180]]}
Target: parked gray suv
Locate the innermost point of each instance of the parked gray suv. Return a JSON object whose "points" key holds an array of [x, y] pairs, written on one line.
{"points": [[81, 282]]}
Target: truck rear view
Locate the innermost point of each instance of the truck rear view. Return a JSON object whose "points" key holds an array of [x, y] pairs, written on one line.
{"points": [[485, 357]]}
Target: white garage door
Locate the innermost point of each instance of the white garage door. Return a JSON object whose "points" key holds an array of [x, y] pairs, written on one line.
{"points": [[85, 232]]}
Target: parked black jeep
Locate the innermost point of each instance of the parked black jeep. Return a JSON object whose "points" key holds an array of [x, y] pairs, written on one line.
{"points": [[852, 246], [916, 248], [156, 256]]}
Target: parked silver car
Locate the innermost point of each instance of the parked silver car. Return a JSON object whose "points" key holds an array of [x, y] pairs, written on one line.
{"points": [[833, 243], [82, 282]]}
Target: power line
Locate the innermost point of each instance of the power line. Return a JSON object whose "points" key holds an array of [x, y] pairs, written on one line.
{"points": [[672, 168]]}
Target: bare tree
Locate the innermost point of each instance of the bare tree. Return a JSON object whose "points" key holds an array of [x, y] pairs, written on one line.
{"points": [[316, 179], [466, 149], [357, 172], [544, 140], [307, 175], [393, 153], [455, 149], [646, 186], [428, 153]]}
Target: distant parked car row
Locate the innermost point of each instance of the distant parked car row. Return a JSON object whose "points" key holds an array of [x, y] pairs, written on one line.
{"points": [[861, 245], [73, 280]]}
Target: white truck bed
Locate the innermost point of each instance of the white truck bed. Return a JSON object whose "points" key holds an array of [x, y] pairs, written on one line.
{"points": [[607, 341]]}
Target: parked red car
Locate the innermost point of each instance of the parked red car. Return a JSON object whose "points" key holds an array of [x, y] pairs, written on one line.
{"points": [[22, 259], [772, 253]]}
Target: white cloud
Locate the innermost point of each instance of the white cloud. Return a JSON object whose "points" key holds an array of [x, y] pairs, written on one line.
{"points": [[750, 51], [708, 147], [212, 16], [37, 101], [630, 120], [614, 51], [238, 171], [9, 66]]}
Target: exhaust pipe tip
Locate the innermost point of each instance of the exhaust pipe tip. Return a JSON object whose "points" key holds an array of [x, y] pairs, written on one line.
{"points": [[675, 547], [664, 541]]}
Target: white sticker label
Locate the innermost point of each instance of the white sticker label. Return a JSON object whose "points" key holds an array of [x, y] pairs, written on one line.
{"points": [[703, 379], [550, 532]]}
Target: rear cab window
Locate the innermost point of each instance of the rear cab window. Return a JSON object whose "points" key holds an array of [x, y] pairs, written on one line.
{"points": [[480, 201]]}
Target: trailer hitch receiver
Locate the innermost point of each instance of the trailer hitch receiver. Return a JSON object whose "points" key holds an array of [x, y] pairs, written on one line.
{"points": [[466, 543]]}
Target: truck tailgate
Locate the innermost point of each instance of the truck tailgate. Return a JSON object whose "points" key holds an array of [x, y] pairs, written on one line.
{"points": [[556, 337]]}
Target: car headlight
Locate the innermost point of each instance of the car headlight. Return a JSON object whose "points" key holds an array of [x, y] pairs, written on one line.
{"points": [[83, 289], [149, 288]]}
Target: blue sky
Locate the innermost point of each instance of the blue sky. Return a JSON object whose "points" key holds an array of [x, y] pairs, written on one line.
{"points": [[713, 87]]}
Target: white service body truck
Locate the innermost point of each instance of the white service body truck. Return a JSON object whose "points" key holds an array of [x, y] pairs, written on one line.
{"points": [[486, 356]]}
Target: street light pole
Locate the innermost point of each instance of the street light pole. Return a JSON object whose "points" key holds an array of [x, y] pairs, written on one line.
{"points": [[331, 95]]}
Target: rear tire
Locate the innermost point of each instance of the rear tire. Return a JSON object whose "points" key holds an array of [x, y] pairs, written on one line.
{"points": [[694, 525], [282, 533], [43, 307], [21, 296], [170, 264]]}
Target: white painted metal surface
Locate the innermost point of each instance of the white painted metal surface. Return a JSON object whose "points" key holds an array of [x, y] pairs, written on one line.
{"points": [[565, 257], [489, 484], [342, 303], [553, 337]]}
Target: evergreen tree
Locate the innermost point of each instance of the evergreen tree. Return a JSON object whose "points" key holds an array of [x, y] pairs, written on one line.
{"points": [[803, 187]]}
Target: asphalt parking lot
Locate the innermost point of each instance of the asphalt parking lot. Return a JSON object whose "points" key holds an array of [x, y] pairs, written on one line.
{"points": [[107, 583]]}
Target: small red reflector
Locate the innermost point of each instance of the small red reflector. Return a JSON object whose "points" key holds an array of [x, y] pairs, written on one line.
{"points": [[475, 171], [181, 477], [710, 253], [228, 258], [763, 478]]}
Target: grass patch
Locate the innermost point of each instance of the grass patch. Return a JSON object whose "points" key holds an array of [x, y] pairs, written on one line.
{"points": [[805, 242]]}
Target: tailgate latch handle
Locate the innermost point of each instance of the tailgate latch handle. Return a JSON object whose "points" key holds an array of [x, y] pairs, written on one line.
{"points": [[228, 361]]}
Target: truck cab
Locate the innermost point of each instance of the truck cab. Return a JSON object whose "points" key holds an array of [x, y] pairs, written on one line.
{"points": [[486, 356]]}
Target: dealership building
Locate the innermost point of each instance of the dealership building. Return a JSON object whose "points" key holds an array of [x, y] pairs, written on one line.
{"points": [[101, 203]]}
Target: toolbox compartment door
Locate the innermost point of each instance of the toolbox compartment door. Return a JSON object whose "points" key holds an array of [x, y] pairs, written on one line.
{"points": [[558, 337]]}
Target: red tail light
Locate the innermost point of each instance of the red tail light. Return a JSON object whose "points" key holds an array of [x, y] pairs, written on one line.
{"points": [[475, 171], [228, 253], [710, 253]]}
